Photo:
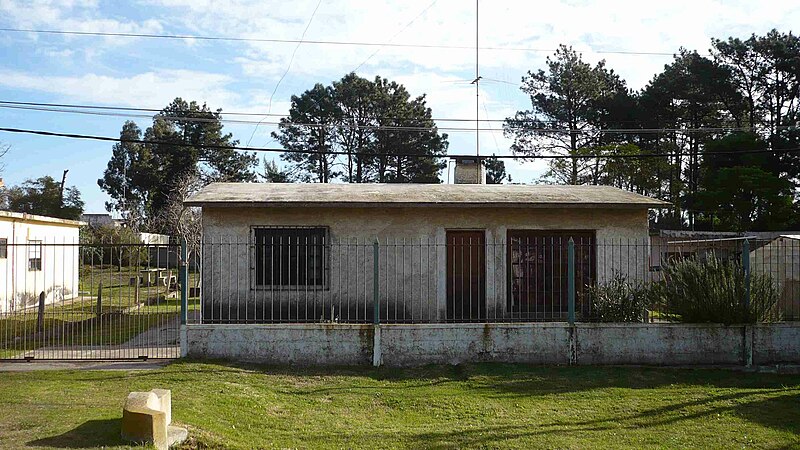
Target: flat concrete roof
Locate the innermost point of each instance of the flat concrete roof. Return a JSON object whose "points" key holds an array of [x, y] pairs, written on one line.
{"points": [[416, 195], [25, 217]]}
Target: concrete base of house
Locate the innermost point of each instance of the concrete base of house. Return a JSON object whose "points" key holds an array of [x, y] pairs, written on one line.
{"points": [[531, 343]]}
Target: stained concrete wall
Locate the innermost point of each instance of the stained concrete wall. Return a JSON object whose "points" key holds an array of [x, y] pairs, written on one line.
{"points": [[282, 344], [413, 255], [532, 343], [659, 344], [409, 345]]}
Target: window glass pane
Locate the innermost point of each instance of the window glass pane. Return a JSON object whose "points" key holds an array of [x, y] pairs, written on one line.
{"points": [[3, 248], [290, 256]]}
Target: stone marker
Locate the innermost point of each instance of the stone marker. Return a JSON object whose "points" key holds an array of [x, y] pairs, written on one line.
{"points": [[146, 419]]}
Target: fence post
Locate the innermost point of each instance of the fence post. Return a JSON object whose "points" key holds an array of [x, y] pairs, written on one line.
{"points": [[40, 316], [571, 281], [184, 279], [746, 268], [376, 306], [99, 299]]}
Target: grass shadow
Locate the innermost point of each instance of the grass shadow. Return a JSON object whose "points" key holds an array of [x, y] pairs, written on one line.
{"points": [[90, 434]]}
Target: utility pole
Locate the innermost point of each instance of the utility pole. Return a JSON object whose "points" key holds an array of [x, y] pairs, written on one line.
{"points": [[61, 190], [476, 82]]}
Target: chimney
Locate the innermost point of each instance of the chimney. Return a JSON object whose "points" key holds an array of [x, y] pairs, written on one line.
{"points": [[469, 171]]}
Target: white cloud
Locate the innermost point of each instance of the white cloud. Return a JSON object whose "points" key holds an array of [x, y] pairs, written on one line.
{"points": [[150, 89]]}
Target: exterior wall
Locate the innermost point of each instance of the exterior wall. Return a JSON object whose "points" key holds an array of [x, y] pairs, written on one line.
{"points": [[532, 343], [283, 344], [660, 344], [409, 345], [622, 235], [19, 286]]}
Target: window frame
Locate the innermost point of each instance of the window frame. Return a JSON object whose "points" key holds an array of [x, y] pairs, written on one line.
{"points": [[326, 260], [34, 247], [3, 248]]}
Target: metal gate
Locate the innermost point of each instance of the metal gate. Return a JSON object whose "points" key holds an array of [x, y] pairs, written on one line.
{"points": [[89, 301]]}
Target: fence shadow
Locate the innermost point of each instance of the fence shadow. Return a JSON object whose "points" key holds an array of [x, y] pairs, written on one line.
{"points": [[97, 433]]}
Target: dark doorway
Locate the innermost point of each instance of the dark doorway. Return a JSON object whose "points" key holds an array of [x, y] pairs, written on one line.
{"points": [[466, 276]]}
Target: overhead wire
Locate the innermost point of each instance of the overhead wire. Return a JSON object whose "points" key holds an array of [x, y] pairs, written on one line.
{"points": [[317, 42], [396, 34], [132, 112], [288, 67], [409, 155]]}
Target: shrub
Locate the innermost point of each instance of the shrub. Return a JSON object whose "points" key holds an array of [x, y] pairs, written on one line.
{"points": [[618, 301], [714, 291]]}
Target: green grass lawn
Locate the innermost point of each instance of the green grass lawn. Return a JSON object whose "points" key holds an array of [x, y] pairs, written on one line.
{"points": [[473, 406]]}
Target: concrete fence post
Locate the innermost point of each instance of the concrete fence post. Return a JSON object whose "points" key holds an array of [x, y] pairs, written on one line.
{"points": [[571, 281]]}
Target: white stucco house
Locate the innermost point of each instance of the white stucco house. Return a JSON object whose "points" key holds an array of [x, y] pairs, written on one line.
{"points": [[446, 252], [37, 254]]}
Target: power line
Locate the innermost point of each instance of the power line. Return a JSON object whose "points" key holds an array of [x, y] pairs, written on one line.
{"points": [[396, 34], [103, 111], [291, 60], [408, 155], [318, 42]]}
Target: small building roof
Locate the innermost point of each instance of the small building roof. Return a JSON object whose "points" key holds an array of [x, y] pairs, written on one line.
{"points": [[25, 217], [407, 195]]}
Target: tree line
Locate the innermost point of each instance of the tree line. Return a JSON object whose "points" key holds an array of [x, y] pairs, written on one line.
{"points": [[718, 131], [745, 98]]}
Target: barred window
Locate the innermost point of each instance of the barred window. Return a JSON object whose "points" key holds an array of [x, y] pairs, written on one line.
{"points": [[34, 255], [537, 263], [290, 256], [3, 248]]}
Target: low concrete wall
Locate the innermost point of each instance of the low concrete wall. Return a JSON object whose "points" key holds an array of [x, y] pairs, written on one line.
{"points": [[406, 345], [533, 343], [659, 344], [302, 344], [776, 343]]}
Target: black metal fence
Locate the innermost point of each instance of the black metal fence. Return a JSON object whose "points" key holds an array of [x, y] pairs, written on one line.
{"points": [[530, 276], [71, 300]]}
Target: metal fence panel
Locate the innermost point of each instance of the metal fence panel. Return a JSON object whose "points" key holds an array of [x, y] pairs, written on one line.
{"points": [[71, 300]]}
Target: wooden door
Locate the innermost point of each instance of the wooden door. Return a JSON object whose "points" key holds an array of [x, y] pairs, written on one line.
{"points": [[466, 276]]}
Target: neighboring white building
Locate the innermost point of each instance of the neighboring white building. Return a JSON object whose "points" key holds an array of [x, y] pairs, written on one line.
{"points": [[37, 254], [780, 259]]}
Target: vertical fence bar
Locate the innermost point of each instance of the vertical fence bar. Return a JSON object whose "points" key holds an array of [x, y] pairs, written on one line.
{"points": [[571, 281], [746, 268], [375, 303], [184, 283]]}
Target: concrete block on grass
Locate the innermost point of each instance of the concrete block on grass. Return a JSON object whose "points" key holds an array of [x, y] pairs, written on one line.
{"points": [[146, 419]]}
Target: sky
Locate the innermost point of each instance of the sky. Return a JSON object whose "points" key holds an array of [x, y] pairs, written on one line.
{"points": [[242, 76]]}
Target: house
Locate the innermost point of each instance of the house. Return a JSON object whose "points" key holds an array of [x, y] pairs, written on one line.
{"points": [[445, 253], [37, 254], [101, 220], [780, 259]]}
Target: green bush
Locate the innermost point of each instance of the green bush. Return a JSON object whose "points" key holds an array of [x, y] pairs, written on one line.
{"points": [[117, 246], [618, 301], [714, 291]]}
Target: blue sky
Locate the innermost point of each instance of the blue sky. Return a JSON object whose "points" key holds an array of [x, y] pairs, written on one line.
{"points": [[241, 76]]}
